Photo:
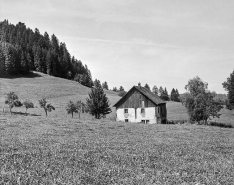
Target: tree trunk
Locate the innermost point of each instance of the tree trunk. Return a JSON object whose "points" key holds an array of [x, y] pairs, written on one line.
{"points": [[72, 114], [46, 112]]}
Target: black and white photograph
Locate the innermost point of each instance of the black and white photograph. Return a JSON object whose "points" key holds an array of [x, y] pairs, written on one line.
{"points": [[122, 92]]}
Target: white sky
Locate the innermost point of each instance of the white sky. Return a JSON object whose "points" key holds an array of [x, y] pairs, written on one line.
{"points": [[123, 42]]}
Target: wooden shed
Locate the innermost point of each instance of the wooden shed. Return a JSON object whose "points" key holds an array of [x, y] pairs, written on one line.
{"points": [[141, 105]]}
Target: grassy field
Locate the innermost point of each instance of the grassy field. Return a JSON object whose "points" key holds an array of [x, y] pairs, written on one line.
{"points": [[40, 150], [57, 149]]}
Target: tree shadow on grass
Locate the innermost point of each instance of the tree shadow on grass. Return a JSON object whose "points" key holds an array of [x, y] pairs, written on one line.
{"points": [[25, 114], [29, 75]]}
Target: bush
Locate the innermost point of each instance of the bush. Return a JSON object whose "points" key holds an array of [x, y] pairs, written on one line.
{"points": [[218, 124]]}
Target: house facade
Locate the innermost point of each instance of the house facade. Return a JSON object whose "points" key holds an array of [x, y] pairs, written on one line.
{"points": [[141, 105]]}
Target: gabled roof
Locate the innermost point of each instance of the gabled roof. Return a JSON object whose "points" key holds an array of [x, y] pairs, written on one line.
{"points": [[154, 98]]}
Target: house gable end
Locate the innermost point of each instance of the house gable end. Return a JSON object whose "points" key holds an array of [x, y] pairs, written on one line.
{"points": [[133, 99]]}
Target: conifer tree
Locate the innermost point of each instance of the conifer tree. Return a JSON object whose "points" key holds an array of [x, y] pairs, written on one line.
{"points": [[155, 90], [177, 97], [2, 59], [97, 103], [105, 86], [49, 63], [115, 89], [121, 88], [161, 91], [24, 64], [166, 96], [173, 95], [10, 59], [147, 86], [97, 83], [38, 59]]}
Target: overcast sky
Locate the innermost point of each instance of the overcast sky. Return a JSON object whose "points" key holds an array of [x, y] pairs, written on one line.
{"points": [[163, 43]]}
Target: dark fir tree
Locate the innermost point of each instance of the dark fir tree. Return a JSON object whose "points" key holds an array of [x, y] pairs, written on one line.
{"points": [[121, 88], [177, 97], [97, 83], [115, 89], [105, 86], [173, 94], [161, 91], [166, 96], [155, 90], [98, 104], [147, 86]]}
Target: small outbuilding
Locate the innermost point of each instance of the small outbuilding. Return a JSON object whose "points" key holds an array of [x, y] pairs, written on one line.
{"points": [[139, 104]]}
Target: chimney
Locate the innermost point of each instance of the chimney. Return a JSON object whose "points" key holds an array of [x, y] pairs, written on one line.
{"points": [[139, 84]]}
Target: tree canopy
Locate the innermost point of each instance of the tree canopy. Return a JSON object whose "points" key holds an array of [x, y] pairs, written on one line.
{"points": [[200, 102], [229, 87]]}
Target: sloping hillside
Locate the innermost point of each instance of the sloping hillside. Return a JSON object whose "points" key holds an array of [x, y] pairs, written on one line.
{"points": [[57, 90]]}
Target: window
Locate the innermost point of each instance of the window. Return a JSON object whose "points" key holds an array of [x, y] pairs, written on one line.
{"points": [[143, 111], [140, 96], [147, 121], [126, 120], [142, 121], [142, 104], [125, 110]]}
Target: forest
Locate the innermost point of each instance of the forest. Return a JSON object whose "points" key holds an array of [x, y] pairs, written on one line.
{"points": [[23, 50]]}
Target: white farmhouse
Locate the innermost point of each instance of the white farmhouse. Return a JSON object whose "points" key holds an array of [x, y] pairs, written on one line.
{"points": [[141, 105]]}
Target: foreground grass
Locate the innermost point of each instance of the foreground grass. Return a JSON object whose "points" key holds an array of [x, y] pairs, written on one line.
{"points": [[36, 150]]}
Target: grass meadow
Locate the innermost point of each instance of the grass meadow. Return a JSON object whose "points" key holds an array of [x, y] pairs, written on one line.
{"points": [[57, 149]]}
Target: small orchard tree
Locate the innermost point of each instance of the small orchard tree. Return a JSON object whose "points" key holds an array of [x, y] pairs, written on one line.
{"points": [[28, 104], [46, 106], [13, 101], [71, 108], [98, 103], [79, 106]]}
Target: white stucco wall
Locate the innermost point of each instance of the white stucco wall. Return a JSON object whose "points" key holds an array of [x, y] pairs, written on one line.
{"points": [[121, 115], [149, 115]]}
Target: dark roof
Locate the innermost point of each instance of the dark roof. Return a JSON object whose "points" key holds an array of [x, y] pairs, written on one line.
{"points": [[154, 98]]}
